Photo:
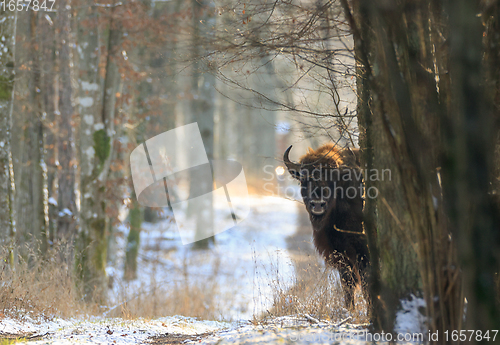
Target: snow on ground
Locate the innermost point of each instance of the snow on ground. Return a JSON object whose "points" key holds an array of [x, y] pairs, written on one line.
{"points": [[307, 330], [245, 257], [292, 330], [97, 330], [411, 318], [298, 330]]}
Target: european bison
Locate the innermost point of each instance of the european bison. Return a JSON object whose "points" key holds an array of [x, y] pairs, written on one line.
{"points": [[332, 190]]}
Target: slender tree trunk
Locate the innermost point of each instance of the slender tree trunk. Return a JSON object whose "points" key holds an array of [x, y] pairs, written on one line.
{"points": [[40, 216], [133, 239], [202, 110], [48, 77], [7, 73], [30, 217], [264, 121], [66, 223], [21, 133], [366, 142], [97, 137]]}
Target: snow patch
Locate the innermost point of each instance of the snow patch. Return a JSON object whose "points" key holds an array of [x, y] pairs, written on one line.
{"points": [[410, 318], [292, 330], [246, 255], [98, 330], [65, 212]]}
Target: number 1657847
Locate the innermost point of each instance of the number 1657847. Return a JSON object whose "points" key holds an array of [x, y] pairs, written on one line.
{"points": [[26, 5]]}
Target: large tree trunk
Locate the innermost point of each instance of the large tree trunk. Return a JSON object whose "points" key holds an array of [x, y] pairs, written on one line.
{"points": [[492, 71], [394, 269], [426, 95], [471, 140], [397, 53]]}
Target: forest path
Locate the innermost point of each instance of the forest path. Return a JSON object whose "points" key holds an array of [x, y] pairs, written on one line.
{"points": [[182, 330], [273, 225]]}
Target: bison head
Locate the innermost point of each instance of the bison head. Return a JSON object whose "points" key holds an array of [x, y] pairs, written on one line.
{"points": [[331, 183]]}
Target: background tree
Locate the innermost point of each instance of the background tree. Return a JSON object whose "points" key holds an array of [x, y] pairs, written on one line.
{"points": [[203, 108], [66, 150], [7, 74]]}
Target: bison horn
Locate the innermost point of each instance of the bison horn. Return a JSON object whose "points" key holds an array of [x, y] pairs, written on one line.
{"points": [[293, 168]]}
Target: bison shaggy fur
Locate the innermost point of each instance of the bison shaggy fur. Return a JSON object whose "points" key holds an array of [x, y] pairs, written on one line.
{"points": [[332, 191]]}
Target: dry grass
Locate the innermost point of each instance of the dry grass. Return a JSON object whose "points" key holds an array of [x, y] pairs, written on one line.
{"points": [[313, 289], [181, 293], [317, 292], [187, 300], [180, 298], [40, 287], [45, 286]]}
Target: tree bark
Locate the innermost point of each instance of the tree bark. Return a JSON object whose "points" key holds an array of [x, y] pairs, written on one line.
{"points": [[471, 143], [133, 239], [202, 111], [406, 105], [7, 74], [66, 222], [98, 133], [48, 77]]}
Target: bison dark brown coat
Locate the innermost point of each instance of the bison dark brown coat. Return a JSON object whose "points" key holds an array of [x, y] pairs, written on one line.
{"points": [[332, 190]]}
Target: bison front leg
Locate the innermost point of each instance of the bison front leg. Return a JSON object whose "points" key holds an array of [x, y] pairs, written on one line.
{"points": [[348, 282]]}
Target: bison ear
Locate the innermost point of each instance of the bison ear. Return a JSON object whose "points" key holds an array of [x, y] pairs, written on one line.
{"points": [[295, 173]]}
